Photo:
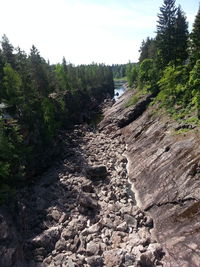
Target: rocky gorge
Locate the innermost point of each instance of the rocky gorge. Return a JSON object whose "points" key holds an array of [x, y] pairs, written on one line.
{"points": [[123, 194]]}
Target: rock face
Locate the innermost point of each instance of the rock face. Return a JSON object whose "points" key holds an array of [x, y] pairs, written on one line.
{"points": [[164, 171]]}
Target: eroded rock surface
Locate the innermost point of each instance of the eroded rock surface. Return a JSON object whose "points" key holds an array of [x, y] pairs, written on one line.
{"points": [[164, 172]]}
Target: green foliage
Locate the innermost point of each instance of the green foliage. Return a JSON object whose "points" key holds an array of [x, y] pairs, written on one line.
{"points": [[136, 97], [11, 154], [37, 100], [132, 101], [165, 39], [171, 72], [173, 85], [148, 49], [172, 35], [11, 85], [119, 70], [49, 116], [148, 75], [132, 74], [181, 37], [194, 84], [195, 39], [62, 78]]}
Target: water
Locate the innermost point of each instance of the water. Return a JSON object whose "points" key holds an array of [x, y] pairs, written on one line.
{"points": [[119, 89]]}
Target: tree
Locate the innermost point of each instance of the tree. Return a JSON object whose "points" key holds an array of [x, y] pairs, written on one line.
{"points": [[61, 76], [38, 72], [195, 39], [148, 75], [166, 33], [132, 74], [181, 36], [7, 51], [194, 83], [147, 49], [12, 85]]}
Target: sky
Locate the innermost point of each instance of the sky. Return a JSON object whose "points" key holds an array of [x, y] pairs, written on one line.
{"points": [[84, 31]]}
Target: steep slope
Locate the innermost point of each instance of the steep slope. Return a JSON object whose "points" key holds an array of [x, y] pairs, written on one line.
{"points": [[164, 169]]}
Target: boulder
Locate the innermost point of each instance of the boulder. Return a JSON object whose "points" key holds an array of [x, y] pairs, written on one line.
{"points": [[95, 261], [92, 248], [113, 257], [47, 239], [96, 172]]}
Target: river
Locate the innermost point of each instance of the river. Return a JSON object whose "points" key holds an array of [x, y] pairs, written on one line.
{"points": [[119, 88]]}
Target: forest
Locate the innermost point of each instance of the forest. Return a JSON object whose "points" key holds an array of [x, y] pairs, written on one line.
{"points": [[37, 101], [169, 64]]}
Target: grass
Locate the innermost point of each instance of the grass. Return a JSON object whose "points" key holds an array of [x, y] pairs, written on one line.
{"points": [[122, 79], [136, 97], [132, 101]]}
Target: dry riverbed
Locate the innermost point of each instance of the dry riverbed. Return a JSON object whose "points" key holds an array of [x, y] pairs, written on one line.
{"points": [[82, 212]]}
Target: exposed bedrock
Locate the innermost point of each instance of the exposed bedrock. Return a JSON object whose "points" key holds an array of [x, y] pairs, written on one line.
{"points": [[164, 170]]}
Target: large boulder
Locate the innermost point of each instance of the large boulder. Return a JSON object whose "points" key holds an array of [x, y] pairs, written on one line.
{"points": [[96, 172]]}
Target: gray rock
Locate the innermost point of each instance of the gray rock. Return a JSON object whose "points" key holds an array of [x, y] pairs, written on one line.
{"points": [[68, 233], [40, 251], [146, 259], [113, 257], [95, 261], [70, 263], [47, 239], [122, 227], [129, 259], [92, 229], [87, 202], [60, 245], [96, 172], [92, 248], [130, 220], [58, 259]]}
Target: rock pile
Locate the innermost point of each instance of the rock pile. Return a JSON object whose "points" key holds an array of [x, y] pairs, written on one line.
{"points": [[81, 213]]}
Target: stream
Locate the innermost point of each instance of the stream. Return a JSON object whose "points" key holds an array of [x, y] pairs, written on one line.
{"points": [[119, 88]]}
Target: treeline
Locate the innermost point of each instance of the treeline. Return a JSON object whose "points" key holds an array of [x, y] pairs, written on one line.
{"points": [[119, 70], [37, 100], [169, 64]]}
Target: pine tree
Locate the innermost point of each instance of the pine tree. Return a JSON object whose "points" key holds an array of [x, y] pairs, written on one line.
{"points": [[38, 72], [147, 49], [181, 36], [7, 51], [195, 39], [166, 32]]}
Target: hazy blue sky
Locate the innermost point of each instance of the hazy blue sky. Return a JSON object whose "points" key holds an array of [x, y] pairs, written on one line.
{"points": [[104, 31]]}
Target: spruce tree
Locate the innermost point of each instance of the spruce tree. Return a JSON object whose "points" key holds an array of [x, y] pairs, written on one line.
{"points": [[147, 49], [181, 36], [7, 51], [166, 32], [195, 39]]}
